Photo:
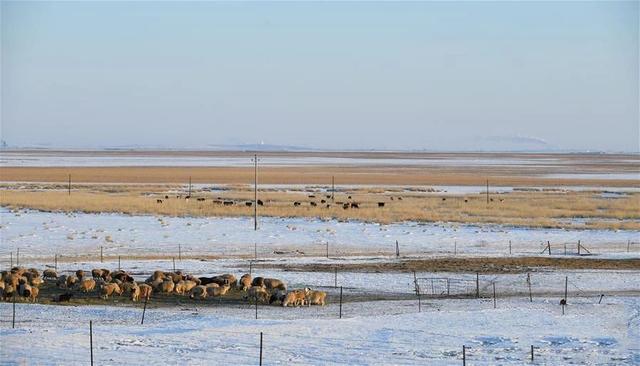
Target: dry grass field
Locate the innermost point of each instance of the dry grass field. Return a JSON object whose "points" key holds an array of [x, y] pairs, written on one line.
{"points": [[539, 208]]}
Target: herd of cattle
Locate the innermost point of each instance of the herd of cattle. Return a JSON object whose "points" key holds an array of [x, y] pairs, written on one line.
{"points": [[26, 283], [323, 201]]}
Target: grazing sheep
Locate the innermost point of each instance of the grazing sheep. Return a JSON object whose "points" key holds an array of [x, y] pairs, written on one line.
{"points": [[156, 284], [33, 296], [354, 205], [80, 274], [167, 286], [296, 204], [24, 290], [345, 206], [106, 274], [278, 296], [316, 297], [245, 282], [158, 201], [123, 276], [109, 289], [49, 274], [192, 278], [217, 291], [198, 292], [135, 293], [248, 204], [127, 287], [9, 291], [157, 275], [71, 281], [220, 280], [294, 298], [62, 281], [258, 281], [274, 284], [34, 271], [96, 273], [380, 204], [184, 287], [313, 204], [260, 203], [258, 293], [88, 284], [228, 203], [145, 291]]}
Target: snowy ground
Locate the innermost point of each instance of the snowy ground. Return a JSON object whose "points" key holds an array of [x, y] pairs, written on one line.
{"points": [[589, 333], [43, 234]]}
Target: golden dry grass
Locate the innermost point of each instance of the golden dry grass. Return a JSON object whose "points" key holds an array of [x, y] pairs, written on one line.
{"points": [[526, 208]]}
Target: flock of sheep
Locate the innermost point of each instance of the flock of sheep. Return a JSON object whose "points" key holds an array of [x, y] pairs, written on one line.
{"points": [[24, 282]]}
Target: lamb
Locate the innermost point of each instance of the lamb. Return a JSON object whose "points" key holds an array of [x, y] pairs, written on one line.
{"points": [[316, 298], [245, 282], [88, 284], [49, 274], [198, 292]]}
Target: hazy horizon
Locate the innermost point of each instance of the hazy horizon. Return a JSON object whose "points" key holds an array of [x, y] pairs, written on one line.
{"points": [[434, 76]]}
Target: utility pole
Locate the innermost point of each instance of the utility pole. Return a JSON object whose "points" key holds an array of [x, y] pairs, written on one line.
{"points": [[255, 191]]}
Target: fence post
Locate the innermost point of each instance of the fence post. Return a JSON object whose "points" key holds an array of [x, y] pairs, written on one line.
{"points": [[578, 247], [464, 355], [448, 286], [397, 249], [549, 247], [601, 296], [529, 283], [327, 250], [494, 294], [101, 257], [256, 298], [532, 353], [255, 250], [340, 302], [477, 285], [509, 247], [11, 260], [55, 262], [260, 348], [91, 339], [566, 280], [250, 267], [415, 282], [455, 248], [13, 320], [419, 303], [565, 248], [335, 277], [18, 257], [144, 310]]}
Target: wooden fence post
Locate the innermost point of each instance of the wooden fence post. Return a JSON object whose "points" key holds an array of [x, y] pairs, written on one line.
{"points": [[464, 355], [335, 277], [578, 247], [327, 250], [255, 250], [509, 247], [419, 302], [91, 340], [549, 247], [494, 293], [250, 267], [477, 285], [566, 280], [415, 283], [256, 298], [397, 249], [531, 353], [340, 302], [601, 296], [13, 320], [529, 283], [260, 348], [101, 257], [55, 262], [18, 257]]}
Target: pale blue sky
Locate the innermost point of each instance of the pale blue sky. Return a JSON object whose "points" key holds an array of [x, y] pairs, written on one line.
{"points": [[430, 75]]}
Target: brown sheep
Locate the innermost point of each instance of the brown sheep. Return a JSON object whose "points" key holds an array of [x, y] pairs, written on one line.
{"points": [[127, 287], [49, 274], [88, 284], [184, 287], [34, 271], [258, 281], [12, 279], [217, 291], [9, 291], [245, 282], [274, 284], [96, 273], [109, 289], [167, 286], [80, 274], [295, 298], [62, 281], [258, 293], [198, 292], [145, 291], [71, 281], [316, 298], [135, 293], [156, 284]]}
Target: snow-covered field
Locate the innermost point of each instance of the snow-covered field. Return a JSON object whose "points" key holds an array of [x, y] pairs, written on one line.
{"points": [[43, 234], [589, 333]]}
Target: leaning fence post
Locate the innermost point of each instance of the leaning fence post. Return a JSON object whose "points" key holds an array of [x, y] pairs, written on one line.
{"points": [[144, 310], [340, 302], [549, 247], [260, 348], [91, 340]]}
